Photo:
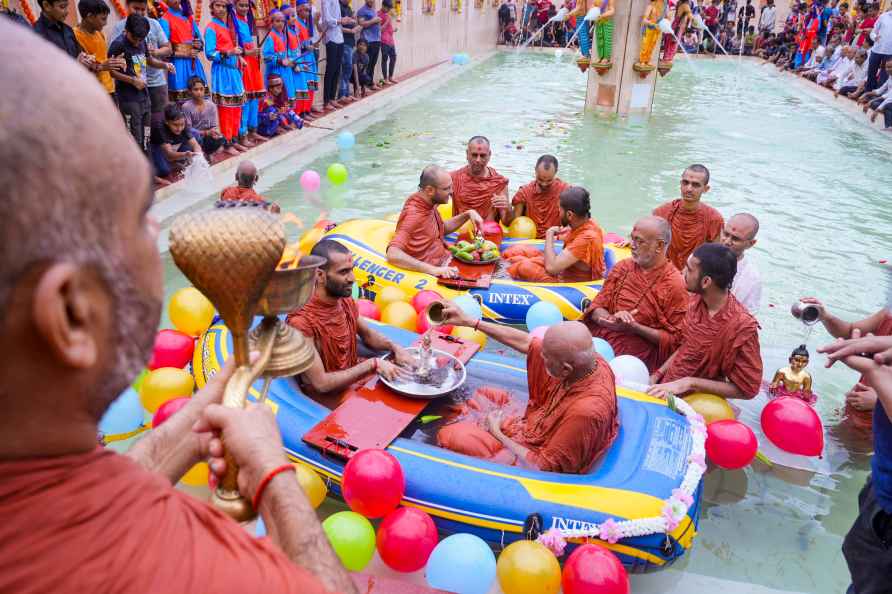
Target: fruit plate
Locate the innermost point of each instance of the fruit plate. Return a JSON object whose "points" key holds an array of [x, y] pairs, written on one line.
{"points": [[478, 262]]}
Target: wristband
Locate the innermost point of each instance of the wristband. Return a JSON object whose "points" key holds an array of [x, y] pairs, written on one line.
{"points": [[476, 324], [255, 501]]}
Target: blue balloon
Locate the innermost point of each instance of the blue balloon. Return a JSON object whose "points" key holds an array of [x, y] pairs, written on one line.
{"points": [[124, 415], [346, 140], [603, 347], [543, 313], [461, 563], [469, 305], [260, 529], [456, 59]]}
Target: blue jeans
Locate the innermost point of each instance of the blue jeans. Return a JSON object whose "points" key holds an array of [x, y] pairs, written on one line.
{"points": [[346, 71]]}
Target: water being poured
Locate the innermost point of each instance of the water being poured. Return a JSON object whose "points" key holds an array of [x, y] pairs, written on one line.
{"points": [[557, 18], [666, 27], [698, 22], [592, 15]]}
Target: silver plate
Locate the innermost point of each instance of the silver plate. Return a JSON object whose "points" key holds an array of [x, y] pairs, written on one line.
{"points": [[455, 377]]}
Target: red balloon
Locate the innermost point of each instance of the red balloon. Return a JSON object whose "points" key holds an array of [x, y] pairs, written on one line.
{"points": [[591, 569], [368, 309], [424, 298], [492, 231], [373, 483], [730, 444], [166, 410], [172, 349], [793, 425], [406, 539]]}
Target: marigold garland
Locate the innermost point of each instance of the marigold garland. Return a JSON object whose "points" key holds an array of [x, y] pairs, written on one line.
{"points": [[119, 8], [26, 10], [197, 12]]}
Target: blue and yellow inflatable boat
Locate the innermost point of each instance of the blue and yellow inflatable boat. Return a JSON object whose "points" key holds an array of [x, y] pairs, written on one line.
{"points": [[465, 494]]}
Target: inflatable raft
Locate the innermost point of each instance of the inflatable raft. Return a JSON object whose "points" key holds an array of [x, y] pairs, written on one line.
{"points": [[648, 461], [504, 301]]}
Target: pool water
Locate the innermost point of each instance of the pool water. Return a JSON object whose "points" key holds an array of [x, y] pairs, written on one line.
{"points": [[816, 178]]}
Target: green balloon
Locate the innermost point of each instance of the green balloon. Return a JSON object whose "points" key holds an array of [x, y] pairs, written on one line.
{"points": [[354, 292], [337, 173], [137, 383], [352, 538]]}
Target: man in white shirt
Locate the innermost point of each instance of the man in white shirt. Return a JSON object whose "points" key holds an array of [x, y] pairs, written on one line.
{"points": [[882, 49], [880, 99], [766, 18], [851, 85], [739, 235], [841, 70]]}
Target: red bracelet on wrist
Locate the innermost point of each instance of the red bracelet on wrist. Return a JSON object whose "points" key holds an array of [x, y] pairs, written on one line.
{"points": [[255, 501], [476, 324]]}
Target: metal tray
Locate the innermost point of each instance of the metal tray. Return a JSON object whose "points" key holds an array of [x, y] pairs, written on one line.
{"points": [[455, 377]]}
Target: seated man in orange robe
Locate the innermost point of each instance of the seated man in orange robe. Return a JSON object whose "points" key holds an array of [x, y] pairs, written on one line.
{"points": [[80, 304], [641, 307], [540, 199], [571, 418], [693, 222], [331, 320], [243, 190], [582, 258], [719, 351], [418, 242], [479, 187]]}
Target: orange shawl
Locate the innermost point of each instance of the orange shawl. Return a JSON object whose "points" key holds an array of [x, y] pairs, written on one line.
{"points": [[420, 230], [233, 193], [690, 229], [542, 207], [333, 327], [476, 192]]}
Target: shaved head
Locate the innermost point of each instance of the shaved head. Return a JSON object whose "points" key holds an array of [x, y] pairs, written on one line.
{"points": [[246, 174], [478, 155], [748, 222], [739, 233], [567, 349], [656, 226], [431, 176]]}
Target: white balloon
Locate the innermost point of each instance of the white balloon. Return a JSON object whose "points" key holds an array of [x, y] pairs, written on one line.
{"points": [[630, 371], [665, 26], [593, 14]]}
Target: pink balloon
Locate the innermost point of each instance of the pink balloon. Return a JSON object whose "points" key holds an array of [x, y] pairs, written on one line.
{"points": [[368, 309], [592, 569], [422, 325], [172, 349], [310, 181], [793, 426], [373, 483], [539, 332], [730, 444], [612, 238], [406, 539], [424, 298], [167, 410]]}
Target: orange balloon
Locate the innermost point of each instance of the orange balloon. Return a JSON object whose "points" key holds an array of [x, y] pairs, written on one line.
{"points": [[400, 314], [527, 567]]}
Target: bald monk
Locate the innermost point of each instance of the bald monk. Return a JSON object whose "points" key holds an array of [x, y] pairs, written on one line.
{"points": [[540, 199], [641, 307], [719, 351], [693, 222], [81, 293], [418, 242], [571, 418], [582, 258], [331, 320], [245, 177], [479, 187], [739, 235]]}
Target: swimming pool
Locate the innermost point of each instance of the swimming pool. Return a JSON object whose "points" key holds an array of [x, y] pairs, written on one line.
{"points": [[816, 178]]}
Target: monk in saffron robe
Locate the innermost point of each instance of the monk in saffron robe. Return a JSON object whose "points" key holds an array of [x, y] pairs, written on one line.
{"points": [[243, 190], [331, 320], [80, 304], [719, 351], [582, 258], [418, 242], [571, 418], [540, 199], [693, 222], [642, 305], [479, 187]]}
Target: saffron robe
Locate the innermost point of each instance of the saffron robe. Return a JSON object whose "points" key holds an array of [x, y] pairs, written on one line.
{"points": [[237, 193], [420, 230], [659, 300], [475, 193], [690, 229], [586, 243], [332, 326], [542, 207]]}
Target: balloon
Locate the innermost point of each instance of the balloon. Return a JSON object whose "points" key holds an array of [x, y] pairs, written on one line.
{"points": [[612, 238], [337, 173], [346, 140], [401, 315], [422, 325], [368, 309], [352, 538], [424, 298], [793, 426], [311, 483], [462, 563], [592, 569], [543, 313], [712, 407], [197, 476], [445, 210], [373, 483], [603, 348], [630, 369], [469, 305], [539, 332], [167, 410], [466, 333], [522, 228], [492, 231], [124, 415], [172, 349], [310, 239], [190, 312], [388, 295], [730, 444], [527, 567], [310, 181], [406, 538], [163, 384]]}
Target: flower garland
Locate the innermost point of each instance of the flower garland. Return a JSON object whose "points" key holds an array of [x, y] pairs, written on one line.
{"points": [[674, 509], [119, 8], [198, 12], [26, 10]]}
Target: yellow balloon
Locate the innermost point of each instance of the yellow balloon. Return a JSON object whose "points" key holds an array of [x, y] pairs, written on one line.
{"points": [[197, 475], [445, 210], [466, 333], [527, 567], [388, 295], [163, 384], [310, 239], [712, 407], [312, 484], [400, 314], [522, 228], [190, 312]]}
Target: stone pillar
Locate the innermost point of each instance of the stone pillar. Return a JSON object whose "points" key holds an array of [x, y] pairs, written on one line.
{"points": [[621, 89]]}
